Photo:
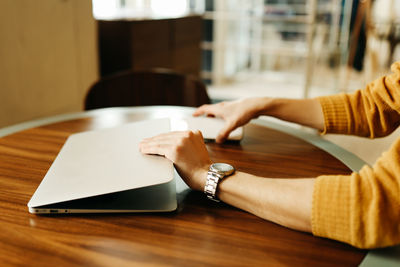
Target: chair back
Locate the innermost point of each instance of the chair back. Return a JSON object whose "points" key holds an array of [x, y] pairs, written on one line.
{"points": [[144, 88]]}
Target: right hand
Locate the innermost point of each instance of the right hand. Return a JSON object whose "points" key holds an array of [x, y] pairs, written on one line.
{"points": [[235, 113], [186, 150]]}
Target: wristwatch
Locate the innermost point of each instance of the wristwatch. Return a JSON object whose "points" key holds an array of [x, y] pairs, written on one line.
{"points": [[216, 172]]}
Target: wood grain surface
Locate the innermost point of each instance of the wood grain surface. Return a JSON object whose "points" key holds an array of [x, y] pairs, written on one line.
{"points": [[199, 233]]}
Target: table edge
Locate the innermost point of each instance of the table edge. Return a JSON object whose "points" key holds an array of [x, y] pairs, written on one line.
{"points": [[312, 136]]}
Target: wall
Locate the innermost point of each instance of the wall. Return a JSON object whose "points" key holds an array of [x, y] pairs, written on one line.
{"points": [[48, 57]]}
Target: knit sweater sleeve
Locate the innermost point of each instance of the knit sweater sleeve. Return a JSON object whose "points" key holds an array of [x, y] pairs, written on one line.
{"points": [[362, 209], [372, 112]]}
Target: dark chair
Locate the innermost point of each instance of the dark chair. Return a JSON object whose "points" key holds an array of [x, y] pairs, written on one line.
{"points": [[144, 88]]}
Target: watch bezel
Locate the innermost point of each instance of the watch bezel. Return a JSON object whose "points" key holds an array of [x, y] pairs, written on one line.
{"points": [[216, 167]]}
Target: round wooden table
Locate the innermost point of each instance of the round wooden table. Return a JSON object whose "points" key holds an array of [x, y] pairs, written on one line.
{"points": [[200, 232]]}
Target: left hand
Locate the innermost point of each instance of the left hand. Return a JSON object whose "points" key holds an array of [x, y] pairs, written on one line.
{"points": [[234, 113], [186, 150]]}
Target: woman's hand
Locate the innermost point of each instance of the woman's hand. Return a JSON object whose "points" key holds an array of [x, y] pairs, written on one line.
{"points": [[186, 150], [306, 112], [284, 201], [235, 113]]}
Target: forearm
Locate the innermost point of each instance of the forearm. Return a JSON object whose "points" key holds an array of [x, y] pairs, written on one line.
{"points": [[283, 201], [306, 112]]}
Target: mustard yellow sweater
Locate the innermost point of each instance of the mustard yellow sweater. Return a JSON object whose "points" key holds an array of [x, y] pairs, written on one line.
{"points": [[362, 209]]}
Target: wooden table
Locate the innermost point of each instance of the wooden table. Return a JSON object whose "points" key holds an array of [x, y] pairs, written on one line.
{"points": [[199, 233]]}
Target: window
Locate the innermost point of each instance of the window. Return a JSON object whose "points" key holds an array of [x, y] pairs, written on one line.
{"points": [[272, 40]]}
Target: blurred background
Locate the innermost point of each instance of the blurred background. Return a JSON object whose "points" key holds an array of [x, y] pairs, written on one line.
{"points": [[52, 51]]}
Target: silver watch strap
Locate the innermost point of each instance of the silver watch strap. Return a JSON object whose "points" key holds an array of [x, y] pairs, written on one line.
{"points": [[210, 189]]}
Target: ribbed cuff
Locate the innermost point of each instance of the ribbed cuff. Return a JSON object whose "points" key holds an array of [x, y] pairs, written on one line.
{"points": [[335, 112], [330, 216]]}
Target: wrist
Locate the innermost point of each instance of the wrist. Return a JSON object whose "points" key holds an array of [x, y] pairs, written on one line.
{"points": [[265, 106], [273, 106], [200, 176], [216, 173]]}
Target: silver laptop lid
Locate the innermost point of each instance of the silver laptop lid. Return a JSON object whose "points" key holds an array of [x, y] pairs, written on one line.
{"points": [[102, 162]]}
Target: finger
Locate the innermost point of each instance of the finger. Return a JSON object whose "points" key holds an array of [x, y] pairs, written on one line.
{"points": [[155, 148], [159, 143], [209, 110], [225, 131], [165, 136], [199, 134], [200, 110]]}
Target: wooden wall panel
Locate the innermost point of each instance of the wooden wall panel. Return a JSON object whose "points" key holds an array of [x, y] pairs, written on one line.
{"points": [[87, 44], [138, 44], [48, 57]]}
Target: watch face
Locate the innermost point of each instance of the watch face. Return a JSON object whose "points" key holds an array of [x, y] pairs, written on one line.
{"points": [[224, 168]]}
